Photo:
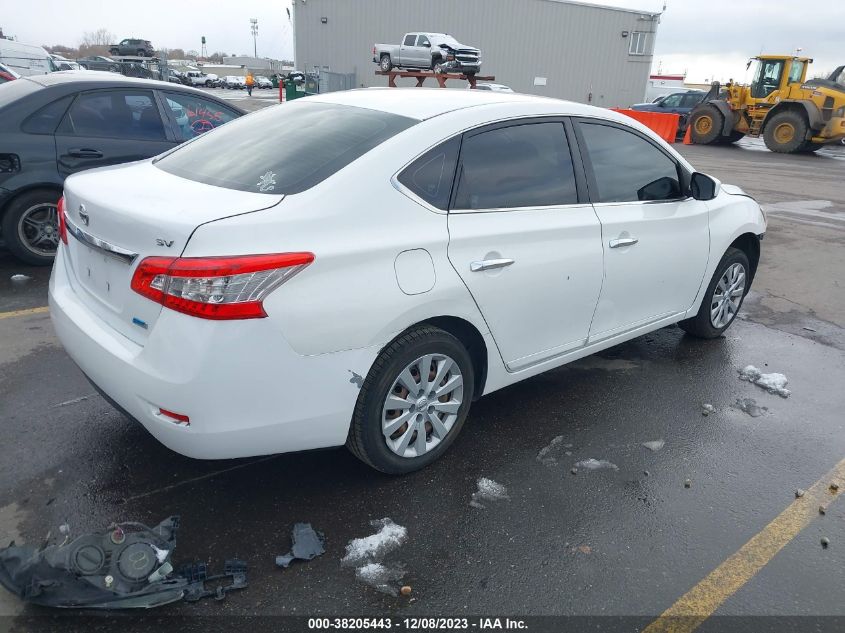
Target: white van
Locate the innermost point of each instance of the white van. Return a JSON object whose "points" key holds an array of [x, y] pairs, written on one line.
{"points": [[25, 59]]}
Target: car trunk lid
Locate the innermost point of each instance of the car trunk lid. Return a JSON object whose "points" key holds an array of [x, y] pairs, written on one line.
{"points": [[117, 216]]}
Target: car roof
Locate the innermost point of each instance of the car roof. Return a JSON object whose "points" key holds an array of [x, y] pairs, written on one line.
{"points": [[100, 79], [425, 103]]}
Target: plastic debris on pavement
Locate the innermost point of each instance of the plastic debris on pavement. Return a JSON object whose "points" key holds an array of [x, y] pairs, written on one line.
{"points": [[307, 545], [596, 464], [20, 279], [655, 446]]}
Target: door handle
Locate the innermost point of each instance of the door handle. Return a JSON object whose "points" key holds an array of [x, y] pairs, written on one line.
{"points": [[623, 241], [85, 153], [489, 264]]}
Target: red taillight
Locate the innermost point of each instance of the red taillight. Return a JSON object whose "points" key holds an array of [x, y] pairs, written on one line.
{"points": [[216, 287], [62, 225]]}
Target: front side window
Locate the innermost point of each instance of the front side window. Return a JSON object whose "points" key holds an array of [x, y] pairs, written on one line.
{"points": [[627, 168], [410, 38], [422, 40], [672, 101], [284, 150], [430, 176], [638, 43], [691, 100], [114, 114], [767, 78], [525, 165], [195, 115]]}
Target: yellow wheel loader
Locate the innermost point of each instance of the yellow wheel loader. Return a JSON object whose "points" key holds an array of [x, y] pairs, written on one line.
{"points": [[792, 114]]}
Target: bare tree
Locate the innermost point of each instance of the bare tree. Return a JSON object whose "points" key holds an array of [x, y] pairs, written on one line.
{"points": [[100, 37]]}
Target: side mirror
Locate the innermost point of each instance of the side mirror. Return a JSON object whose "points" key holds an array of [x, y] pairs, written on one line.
{"points": [[427, 44], [704, 187]]}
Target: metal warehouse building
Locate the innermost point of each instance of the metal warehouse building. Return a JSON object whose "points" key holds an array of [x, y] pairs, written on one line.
{"points": [[570, 50]]}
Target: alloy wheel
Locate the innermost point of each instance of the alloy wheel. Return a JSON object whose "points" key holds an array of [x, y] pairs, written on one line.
{"points": [[727, 296], [422, 405], [38, 229]]}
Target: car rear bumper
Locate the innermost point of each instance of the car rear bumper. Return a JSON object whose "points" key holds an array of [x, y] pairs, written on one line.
{"points": [[244, 389]]}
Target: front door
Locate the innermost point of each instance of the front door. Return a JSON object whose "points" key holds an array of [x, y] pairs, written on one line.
{"points": [[526, 248], [107, 127], [656, 239]]}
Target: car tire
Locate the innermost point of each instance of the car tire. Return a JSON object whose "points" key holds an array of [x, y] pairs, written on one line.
{"points": [[385, 64], [786, 132], [705, 324], [706, 122], [32, 204], [368, 441]]}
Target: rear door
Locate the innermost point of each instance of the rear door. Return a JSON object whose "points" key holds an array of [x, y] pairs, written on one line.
{"points": [[407, 51], [525, 240], [656, 239], [107, 127]]}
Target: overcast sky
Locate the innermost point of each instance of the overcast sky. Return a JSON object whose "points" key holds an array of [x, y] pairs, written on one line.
{"points": [[707, 39]]}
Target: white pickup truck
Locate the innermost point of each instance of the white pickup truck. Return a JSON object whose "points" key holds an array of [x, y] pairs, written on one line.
{"points": [[439, 52], [198, 78]]}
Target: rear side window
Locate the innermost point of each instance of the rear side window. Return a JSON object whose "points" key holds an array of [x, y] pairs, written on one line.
{"points": [[114, 114], [46, 120], [627, 168], [430, 176], [410, 39], [525, 165], [285, 149]]}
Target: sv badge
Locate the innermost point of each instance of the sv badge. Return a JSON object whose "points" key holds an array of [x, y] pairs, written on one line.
{"points": [[161, 242]]}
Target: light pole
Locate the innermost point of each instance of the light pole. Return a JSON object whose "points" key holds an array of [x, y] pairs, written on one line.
{"points": [[253, 25]]}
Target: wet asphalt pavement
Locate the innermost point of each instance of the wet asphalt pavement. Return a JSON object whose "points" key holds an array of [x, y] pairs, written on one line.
{"points": [[601, 542]]}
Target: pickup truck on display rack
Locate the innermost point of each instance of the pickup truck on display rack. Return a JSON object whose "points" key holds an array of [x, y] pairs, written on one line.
{"points": [[439, 52]]}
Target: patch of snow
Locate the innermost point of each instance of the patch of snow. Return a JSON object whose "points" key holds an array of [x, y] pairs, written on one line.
{"points": [[707, 409], [20, 279], [546, 454], [773, 383], [596, 464], [389, 537], [382, 577], [488, 490], [750, 406], [655, 446]]}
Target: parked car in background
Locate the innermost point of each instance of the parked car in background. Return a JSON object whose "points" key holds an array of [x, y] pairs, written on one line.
{"points": [[25, 59], [133, 48], [99, 62], [63, 63], [234, 82], [676, 103], [199, 78], [491, 87], [433, 51], [55, 125], [7, 74], [523, 245], [263, 82]]}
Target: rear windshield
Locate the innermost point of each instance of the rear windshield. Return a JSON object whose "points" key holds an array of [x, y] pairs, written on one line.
{"points": [[284, 149]]}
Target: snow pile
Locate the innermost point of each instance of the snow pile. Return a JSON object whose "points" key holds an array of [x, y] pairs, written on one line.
{"points": [[655, 446], [382, 577], [548, 454], [20, 279], [389, 537], [488, 490], [773, 383], [596, 464], [367, 556]]}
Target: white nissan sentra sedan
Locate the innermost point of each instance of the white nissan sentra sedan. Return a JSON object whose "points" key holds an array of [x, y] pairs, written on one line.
{"points": [[356, 268]]}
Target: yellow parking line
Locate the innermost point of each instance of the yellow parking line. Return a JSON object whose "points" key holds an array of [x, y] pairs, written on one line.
{"points": [[701, 601], [17, 313]]}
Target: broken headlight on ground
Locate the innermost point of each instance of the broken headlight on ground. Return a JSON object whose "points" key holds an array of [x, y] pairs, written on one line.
{"points": [[125, 566]]}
